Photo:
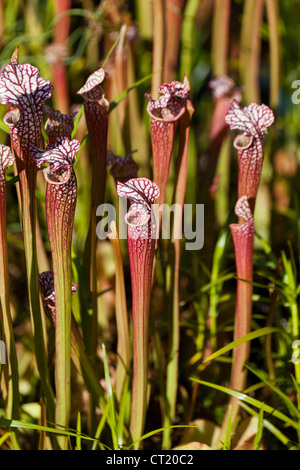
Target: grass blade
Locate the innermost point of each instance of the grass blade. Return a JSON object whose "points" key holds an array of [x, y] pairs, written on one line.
{"points": [[251, 401], [250, 336], [111, 401]]}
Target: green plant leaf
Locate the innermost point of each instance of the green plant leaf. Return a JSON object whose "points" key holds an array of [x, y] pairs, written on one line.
{"points": [[14, 423], [116, 101], [289, 404], [253, 335], [251, 401], [111, 401], [260, 426]]}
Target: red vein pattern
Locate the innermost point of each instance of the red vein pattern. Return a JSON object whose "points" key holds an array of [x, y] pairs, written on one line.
{"points": [[6, 159], [170, 104], [252, 121], [224, 87], [61, 191], [92, 90], [139, 191], [22, 87], [243, 236], [62, 154], [165, 112]]}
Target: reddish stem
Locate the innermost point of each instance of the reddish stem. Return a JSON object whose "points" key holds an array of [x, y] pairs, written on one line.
{"points": [[174, 10], [59, 72], [141, 232], [96, 113]]}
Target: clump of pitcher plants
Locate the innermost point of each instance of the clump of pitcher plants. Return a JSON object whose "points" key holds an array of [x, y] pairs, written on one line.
{"points": [[123, 332]]}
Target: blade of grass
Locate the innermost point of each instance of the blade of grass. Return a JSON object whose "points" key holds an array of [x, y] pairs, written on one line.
{"points": [[286, 400], [270, 426], [158, 45], [117, 100], [42, 438], [100, 428], [187, 37], [216, 285], [220, 36], [227, 440], [13, 423], [259, 433], [251, 49], [243, 339], [251, 401], [274, 42], [111, 402]]}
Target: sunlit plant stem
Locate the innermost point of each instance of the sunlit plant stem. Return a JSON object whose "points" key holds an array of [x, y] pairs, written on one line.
{"points": [[11, 367]]}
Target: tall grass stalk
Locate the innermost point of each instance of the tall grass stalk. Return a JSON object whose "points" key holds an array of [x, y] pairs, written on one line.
{"points": [[57, 54], [187, 37], [11, 367], [174, 12], [272, 10], [158, 44], [251, 49], [220, 36]]}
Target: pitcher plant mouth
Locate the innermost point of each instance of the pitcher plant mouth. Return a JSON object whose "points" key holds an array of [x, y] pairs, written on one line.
{"points": [[137, 217], [12, 117], [170, 105], [243, 142]]}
